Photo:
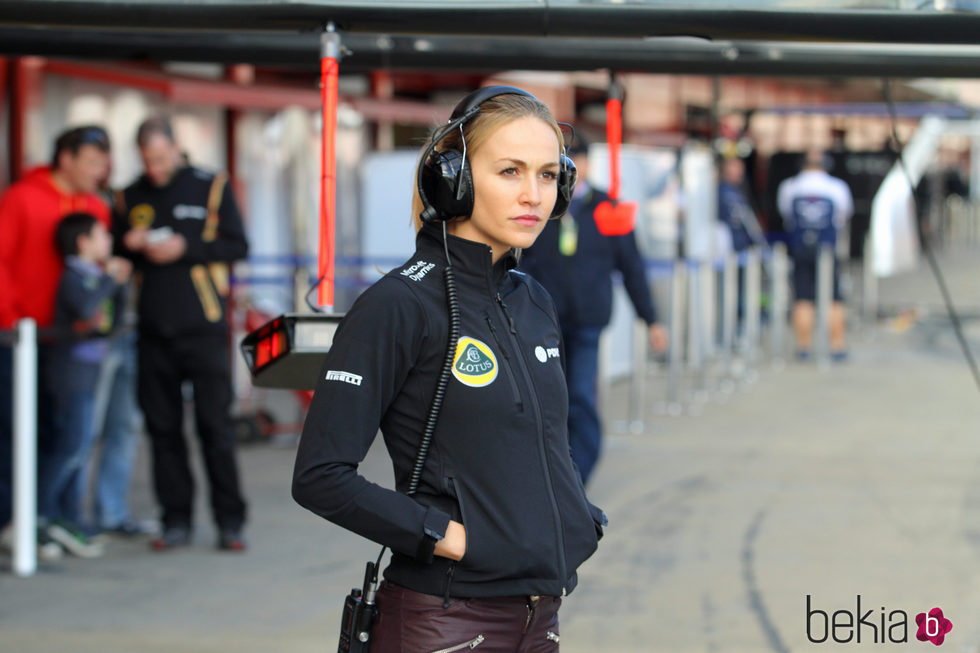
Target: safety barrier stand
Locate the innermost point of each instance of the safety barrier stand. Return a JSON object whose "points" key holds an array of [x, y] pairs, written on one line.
{"points": [[675, 352], [695, 337], [779, 304], [869, 291], [729, 320], [824, 292], [25, 449], [752, 292], [638, 378]]}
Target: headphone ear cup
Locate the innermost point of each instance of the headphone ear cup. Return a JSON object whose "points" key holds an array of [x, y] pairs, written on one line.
{"points": [[567, 176], [447, 186]]}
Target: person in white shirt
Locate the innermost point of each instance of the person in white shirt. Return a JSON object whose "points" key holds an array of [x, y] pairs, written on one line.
{"points": [[815, 207]]}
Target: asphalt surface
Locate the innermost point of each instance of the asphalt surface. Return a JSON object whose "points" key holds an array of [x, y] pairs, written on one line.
{"points": [[792, 481]]}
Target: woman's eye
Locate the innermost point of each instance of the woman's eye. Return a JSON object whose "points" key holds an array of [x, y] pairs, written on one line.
{"points": [[550, 175], [509, 171]]}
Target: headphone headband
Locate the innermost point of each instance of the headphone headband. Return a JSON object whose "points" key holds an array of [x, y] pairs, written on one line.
{"points": [[481, 95]]}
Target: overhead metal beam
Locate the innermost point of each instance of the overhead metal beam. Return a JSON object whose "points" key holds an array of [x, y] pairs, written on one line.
{"points": [[447, 53], [488, 54], [537, 18]]}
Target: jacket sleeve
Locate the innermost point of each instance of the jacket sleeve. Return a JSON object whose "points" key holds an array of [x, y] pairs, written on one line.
{"points": [[11, 222], [230, 244], [369, 361], [630, 264]]}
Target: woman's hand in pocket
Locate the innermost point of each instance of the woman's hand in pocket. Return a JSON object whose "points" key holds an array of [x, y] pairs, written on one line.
{"points": [[453, 545]]}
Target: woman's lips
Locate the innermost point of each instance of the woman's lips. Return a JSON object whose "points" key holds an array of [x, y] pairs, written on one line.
{"points": [[527, 220]]}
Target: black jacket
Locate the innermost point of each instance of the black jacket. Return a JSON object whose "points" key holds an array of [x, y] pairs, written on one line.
{"points": [[86, 310], [581, 284], [499, 462], [189, 296]]}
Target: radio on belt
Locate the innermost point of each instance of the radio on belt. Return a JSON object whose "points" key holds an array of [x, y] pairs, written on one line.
{"points": [[288, 352]]}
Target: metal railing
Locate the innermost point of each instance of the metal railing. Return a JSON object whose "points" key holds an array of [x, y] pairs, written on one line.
{"points": [[25, 449], [727, 321]]}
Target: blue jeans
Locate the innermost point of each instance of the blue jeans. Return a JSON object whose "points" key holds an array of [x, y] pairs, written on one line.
{"points": [[118, 423], [62, 475], [582, 370]]}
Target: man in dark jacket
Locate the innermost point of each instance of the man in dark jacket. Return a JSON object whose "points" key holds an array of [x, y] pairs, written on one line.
{"points": [[574, 262], [182, 228]]}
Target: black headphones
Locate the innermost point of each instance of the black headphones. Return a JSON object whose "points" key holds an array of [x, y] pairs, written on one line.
{"points": [[445, 182]]}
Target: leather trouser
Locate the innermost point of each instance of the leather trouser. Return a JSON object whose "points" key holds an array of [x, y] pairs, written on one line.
{"points": [[412, 622]]}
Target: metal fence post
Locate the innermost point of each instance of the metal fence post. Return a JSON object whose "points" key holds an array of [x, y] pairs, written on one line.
{"points": [[25, 449], [638, 377], [869, 284], [751, 304], [695, 362], [709, 317], [825, 285], [676, 348], [729, 308], [780, 303]]}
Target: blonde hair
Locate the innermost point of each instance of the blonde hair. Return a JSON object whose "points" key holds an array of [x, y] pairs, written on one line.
{"points": [[494, 114]]}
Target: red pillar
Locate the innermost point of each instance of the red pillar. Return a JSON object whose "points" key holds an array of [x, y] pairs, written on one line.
{"points": [[4, 109], [25, 92]]}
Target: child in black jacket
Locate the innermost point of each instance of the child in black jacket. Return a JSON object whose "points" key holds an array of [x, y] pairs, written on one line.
{"points": [[91, 287]]}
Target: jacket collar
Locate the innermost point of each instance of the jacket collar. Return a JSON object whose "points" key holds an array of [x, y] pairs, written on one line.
{"points": [[470, 259], [83, 266]]}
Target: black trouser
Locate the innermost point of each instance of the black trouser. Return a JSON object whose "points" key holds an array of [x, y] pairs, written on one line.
{"points": [[411, 622], [164, 363]]}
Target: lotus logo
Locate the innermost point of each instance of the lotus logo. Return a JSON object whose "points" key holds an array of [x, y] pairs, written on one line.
{"points": [[474, 363]]}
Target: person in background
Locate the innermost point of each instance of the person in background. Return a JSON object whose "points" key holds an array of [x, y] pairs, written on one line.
{"points": [[91, 288], [574, 263], [30, 266], [815, 208], [738, 220], [182, 228], [734, 209]]}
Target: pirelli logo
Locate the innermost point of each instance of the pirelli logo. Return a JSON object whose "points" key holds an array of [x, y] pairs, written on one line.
{"points": [[345, 377]]}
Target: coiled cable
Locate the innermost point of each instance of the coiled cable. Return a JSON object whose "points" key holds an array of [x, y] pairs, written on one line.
{"points": [[452, 301]]}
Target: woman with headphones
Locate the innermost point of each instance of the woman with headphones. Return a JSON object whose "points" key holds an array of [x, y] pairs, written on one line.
{"points": [[490, 520]]}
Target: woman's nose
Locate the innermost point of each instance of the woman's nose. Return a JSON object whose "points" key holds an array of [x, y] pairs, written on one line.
{"points": [[531, 193]]}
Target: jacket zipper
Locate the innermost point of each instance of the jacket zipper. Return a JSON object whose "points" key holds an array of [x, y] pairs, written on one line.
{"points": [[472, 644], [507, 315], [541, 447], [450, 572], [507, 364]]}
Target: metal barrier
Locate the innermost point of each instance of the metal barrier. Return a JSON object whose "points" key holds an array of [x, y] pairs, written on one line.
{"points": [[750, 301], [825, 295], [869, 289], [713, 347], [25, 449], [675, 352], [779, 306], [695, 362], [729, 312], [638, 378]]}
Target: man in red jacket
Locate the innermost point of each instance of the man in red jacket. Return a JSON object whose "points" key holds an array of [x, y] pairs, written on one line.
{"points": [[30, 266]]}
